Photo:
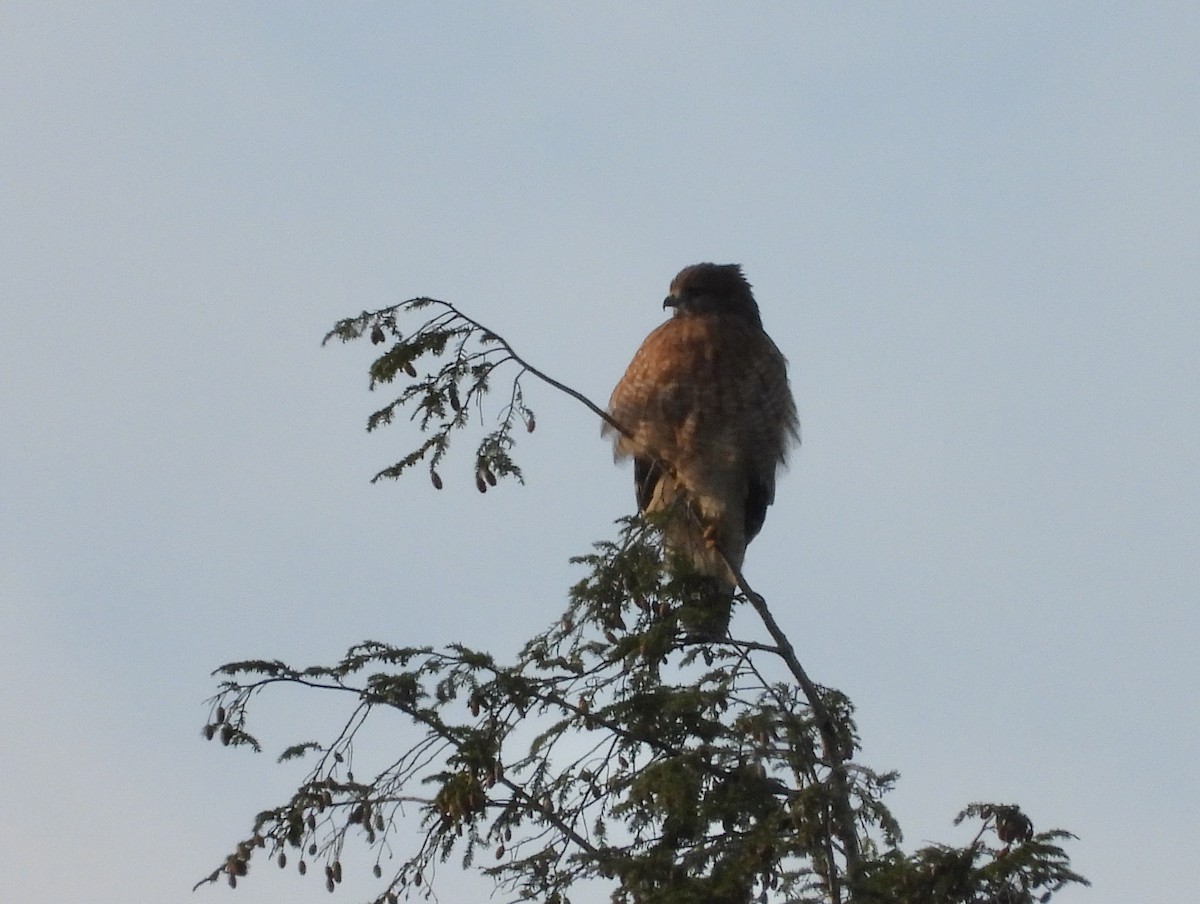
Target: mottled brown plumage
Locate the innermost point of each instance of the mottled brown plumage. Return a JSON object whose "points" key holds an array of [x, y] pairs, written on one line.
{"points": [[709, 417]]}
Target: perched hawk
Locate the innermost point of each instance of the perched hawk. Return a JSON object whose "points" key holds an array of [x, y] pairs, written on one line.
{"points": [[709, 418]]}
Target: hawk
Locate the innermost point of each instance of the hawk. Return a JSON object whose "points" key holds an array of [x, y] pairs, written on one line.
{"points": [[707, 415]]}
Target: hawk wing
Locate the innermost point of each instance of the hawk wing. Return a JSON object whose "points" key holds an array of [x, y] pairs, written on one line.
{"points": [[705, 402]]}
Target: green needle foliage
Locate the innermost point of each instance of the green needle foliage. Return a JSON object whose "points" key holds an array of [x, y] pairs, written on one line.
{"points": [[616, 748]]}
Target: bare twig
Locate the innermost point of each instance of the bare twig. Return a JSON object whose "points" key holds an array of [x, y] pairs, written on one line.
{"points": [[541, 375]]}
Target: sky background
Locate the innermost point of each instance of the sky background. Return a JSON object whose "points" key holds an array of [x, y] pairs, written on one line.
{"points": [[974, 229]]}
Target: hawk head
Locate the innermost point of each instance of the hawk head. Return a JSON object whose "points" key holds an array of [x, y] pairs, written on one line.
{"points": [[713, 289]]}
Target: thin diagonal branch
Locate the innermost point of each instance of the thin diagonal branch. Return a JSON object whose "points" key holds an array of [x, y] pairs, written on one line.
{"points": [[542, 375], [830, 743]]}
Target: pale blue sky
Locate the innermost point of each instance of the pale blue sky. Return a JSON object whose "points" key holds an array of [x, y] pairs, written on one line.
{"points": [[973, 229]]}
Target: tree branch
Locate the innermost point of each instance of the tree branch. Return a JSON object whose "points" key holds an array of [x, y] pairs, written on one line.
{"points": [[831, 745], [541, 375]]}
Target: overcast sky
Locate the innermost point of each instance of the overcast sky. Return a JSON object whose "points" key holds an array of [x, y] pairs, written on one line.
{"points": [[974, 229]]}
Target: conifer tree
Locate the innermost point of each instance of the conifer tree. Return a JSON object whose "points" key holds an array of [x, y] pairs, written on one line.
{"points": [[616, 748]]}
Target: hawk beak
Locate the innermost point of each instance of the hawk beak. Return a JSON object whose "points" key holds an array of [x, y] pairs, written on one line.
{"points": [[670, 302]]}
